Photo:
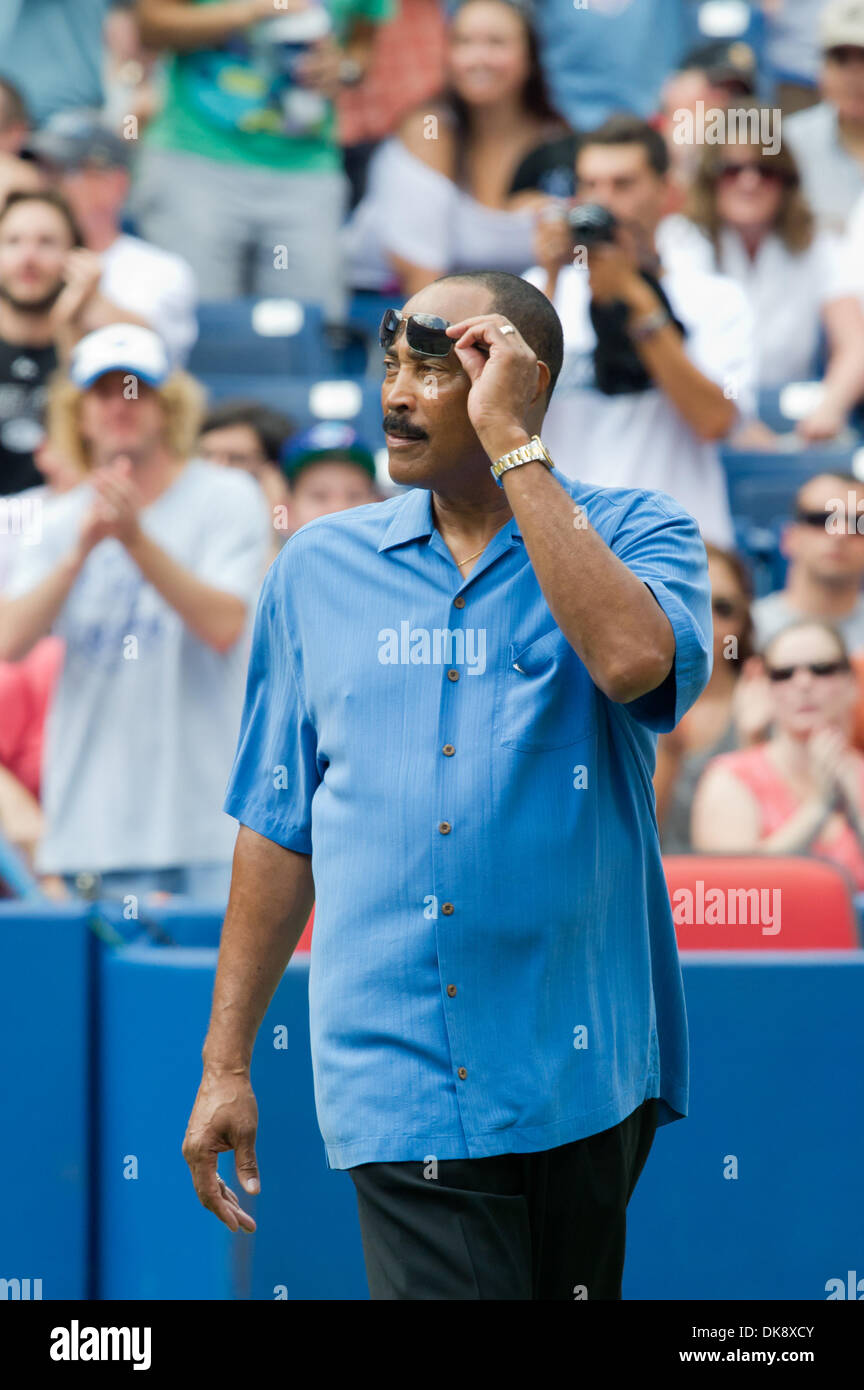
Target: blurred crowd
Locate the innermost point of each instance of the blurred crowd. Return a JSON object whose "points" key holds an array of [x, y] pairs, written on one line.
{"points": [[643, 162]]}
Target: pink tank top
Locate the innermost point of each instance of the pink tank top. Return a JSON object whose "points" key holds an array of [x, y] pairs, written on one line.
{"points": [[777, 803]]}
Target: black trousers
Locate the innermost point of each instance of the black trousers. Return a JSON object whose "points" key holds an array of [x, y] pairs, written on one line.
{"points": [[547, 1225]]}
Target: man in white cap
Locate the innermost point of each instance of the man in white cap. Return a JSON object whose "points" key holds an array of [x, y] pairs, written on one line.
{"points": [[828, 139], [149, 571]]}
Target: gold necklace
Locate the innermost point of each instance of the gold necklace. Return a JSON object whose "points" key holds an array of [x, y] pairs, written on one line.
{"points": [[471, 557]]}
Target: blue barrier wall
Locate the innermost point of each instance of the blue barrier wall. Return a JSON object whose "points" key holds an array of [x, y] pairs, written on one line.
{"points": [[776, 1086], [45, 999]]}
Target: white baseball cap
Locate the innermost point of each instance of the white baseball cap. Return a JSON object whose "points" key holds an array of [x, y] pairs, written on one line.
{"points": [[121, 347], [841, 24]]}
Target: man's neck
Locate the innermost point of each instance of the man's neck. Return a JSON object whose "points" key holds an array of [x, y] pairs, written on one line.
{"points": [[815, 598], [21, 329]]}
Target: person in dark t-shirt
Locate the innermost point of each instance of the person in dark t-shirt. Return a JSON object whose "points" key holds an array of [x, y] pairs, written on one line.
{"points": [[46, 279]]}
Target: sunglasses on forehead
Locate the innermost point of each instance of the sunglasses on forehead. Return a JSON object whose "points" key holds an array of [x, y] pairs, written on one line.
{"points": [[425, 333]]}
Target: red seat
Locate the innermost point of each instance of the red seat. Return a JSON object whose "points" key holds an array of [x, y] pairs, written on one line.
{"points": [[739, 902], [305, 942]]}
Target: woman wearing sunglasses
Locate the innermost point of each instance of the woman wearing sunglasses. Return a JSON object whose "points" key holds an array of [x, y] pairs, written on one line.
{"points": [[747, 217], [442, 193], [802, 791], [728, 713]]}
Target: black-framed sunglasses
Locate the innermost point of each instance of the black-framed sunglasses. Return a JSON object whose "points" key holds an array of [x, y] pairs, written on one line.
{"points": [[816, 668], [767, 172], [426, 333], [820, 521]]}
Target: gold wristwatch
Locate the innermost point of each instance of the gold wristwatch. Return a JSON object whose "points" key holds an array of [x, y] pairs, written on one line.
{"points": [[532, 452]]}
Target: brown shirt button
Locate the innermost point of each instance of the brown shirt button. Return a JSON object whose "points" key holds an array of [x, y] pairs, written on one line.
{"points": [[448, 750], [459, 602], [452, 675], [448, 909], [445, 827], [451, 990], [461, 1073]]}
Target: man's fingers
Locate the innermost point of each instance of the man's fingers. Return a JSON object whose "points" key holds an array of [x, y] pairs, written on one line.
{"points": [[246, 1164]]}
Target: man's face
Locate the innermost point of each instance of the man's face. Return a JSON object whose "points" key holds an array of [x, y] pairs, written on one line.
{"points": [[327, 486], [121, 415], [843, 81], [430, 439], [34, 245], [829, 556], [233, 446], [620, 178]]}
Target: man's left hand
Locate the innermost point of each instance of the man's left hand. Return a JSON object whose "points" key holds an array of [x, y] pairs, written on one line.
{"points": [[505, 378]]}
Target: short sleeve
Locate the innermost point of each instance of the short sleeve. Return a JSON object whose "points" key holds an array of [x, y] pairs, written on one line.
{"points": [[238, 538], [662, 546], [838, 274], [416, 225], [276, 770]]}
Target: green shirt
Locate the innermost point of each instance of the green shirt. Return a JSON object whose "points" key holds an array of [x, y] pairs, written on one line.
{"points": [[227, 103]]}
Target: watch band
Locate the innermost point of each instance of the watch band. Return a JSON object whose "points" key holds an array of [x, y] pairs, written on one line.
{"points": [[647, 324], [532, 452]]}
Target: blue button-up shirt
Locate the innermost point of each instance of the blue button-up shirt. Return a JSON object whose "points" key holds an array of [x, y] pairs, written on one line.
{"points": [[494, 966]]}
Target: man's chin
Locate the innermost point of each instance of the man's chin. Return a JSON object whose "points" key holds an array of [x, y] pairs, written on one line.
{"points": [[408, 458]]}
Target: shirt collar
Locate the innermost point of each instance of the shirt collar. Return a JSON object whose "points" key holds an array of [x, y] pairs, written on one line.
{"points": [[413, 521]]}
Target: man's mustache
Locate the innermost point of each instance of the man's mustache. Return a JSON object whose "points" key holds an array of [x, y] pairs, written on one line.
{"points": [[393, 424]]}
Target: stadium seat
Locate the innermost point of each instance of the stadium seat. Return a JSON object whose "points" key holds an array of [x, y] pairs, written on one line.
{"points": [[809, 900], [269, 337], [307, 399], [762, 485]]}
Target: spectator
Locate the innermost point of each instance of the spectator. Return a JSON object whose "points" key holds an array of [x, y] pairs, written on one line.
{"points": [[90, 166], [802, 791], [329, 469], [604, 57], [791, 52], [825, 553], [16, 174], [149, 572], [52, 50], [406, 68], [711, 79], [250, 436], [447, 193], [47, 284], [26, 689], [828, 139], [263, 188], [730, 710], [637, 406], [747, 218]]}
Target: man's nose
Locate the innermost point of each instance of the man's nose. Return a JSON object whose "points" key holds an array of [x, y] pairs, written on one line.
{"points": [[400, 389]]}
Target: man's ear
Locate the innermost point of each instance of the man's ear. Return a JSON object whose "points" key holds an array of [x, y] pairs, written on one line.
{"points": [[544, 376]]}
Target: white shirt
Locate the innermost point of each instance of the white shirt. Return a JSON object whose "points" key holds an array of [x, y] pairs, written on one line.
{"points": [[639, 439], [417, 213], [787, 291], [155, 285], [142, 730]]}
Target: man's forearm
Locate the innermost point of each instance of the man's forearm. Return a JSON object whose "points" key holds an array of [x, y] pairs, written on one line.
{"points": [[24, 620], [699, 401], [608, 616], [272, 893], [216, 617], [178, 25]]}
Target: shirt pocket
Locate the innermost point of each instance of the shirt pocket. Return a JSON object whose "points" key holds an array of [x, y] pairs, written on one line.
{"points": [[544, 696]]}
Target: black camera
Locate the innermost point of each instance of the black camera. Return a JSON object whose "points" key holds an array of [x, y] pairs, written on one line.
{"points": [[591, 225]]}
